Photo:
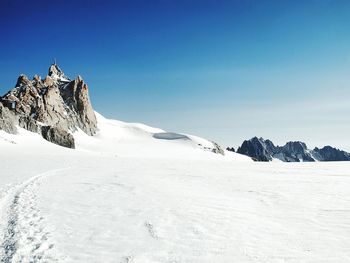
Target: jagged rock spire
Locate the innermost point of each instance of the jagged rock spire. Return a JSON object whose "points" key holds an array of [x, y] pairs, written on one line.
{"points": [[57, 103], [22, 80], [56, 73]]}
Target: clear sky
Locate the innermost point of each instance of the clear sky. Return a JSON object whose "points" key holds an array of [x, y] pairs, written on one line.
{"points": [[224, 70]]}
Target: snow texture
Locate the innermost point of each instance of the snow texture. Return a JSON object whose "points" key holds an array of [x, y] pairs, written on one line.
{"points": [[134, 193]]}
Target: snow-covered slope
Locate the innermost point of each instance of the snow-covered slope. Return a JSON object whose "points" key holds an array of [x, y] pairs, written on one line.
{"points": [[134, 193], [138, 140]]}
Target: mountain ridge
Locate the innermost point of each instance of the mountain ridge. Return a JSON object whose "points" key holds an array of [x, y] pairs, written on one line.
{"points": [[263, 150]]}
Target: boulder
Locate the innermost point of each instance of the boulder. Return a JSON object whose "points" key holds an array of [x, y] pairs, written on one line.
{"points": [[58, 136]]}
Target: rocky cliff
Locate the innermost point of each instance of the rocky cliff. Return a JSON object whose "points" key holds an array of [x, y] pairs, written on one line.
{"points": [[54, 107]]}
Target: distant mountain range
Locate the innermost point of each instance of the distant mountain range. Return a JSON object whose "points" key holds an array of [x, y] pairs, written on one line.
{"points": [[265, 150]]}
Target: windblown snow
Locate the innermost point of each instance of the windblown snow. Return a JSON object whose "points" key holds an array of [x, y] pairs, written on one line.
{"points": [[134, 193]]}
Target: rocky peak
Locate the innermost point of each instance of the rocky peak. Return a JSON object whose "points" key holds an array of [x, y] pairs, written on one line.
{"points": [[22, 80], [264, 150], [56, 73], [76, 97], [294, 151], [328, 153], [37, 78], [297, 146], [257, 149], [59, 104]]}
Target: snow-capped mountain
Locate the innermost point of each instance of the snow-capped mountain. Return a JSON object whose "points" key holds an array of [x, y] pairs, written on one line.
{"points": [[264, 150], [58, 107]]}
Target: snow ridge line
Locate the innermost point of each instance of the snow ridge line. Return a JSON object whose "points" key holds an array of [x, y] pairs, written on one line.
{"points": [[24, 236]]}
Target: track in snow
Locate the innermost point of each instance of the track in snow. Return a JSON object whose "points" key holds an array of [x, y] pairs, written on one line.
{"points": [[24, 237]]}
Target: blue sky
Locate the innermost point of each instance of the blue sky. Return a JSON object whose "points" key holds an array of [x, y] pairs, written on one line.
{"points": [[224, 70]]}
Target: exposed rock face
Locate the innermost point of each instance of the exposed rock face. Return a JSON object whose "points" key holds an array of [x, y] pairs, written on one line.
{"points": [[56, 73], [264, 150], [294, 152], [55, 101], [76, 97], [7, 120], [230, 149], [257, 148], [29, 124], [329, 153], [58, 136]]}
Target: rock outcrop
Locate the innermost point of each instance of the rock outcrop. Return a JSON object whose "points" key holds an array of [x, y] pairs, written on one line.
{"points": [[264, 150], [294, 152], [76, 97], [58, 136], [56, 102], [217, 149], [7, 120], [257, 148], [230, 149]]}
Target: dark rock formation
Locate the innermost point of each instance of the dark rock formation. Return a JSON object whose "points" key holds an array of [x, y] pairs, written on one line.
{"points": [[294, 152], [230, 149], [264, 150], [58, 136], [257, 148], [328, 153], [55, 101]]}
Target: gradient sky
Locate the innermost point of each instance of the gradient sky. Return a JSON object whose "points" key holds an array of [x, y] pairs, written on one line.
{"points": [[223, 70]]}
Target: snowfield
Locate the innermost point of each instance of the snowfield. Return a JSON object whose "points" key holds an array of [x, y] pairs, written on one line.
{"points": [[134, 193]]}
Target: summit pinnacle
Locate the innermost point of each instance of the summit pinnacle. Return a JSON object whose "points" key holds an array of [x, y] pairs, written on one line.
{"points": [[56, 102]]}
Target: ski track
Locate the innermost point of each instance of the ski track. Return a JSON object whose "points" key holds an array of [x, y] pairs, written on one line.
{"points": [[24, 237]]}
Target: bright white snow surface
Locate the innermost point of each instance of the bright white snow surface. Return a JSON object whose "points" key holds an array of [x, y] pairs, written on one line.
{"points": [[129, 195]]}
